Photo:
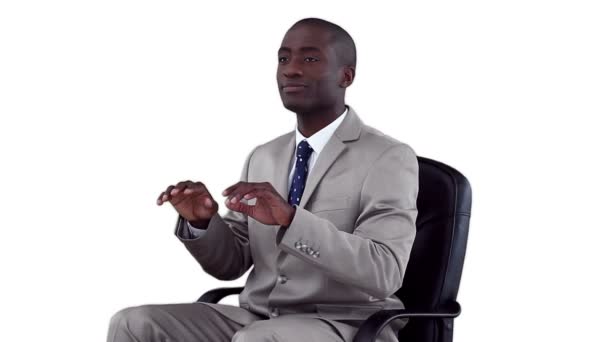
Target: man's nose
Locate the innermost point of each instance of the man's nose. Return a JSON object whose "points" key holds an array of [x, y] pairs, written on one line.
{"points": [[292, 70]]}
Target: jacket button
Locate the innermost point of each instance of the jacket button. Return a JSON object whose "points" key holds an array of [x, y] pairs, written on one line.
{"points": [[282, 279], [275, 312]]}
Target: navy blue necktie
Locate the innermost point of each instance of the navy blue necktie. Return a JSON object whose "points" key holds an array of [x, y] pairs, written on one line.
{"points": [[299, 176]]}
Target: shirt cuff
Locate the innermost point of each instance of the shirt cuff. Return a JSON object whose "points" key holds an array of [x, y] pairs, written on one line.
{"points": [[195, 232]]}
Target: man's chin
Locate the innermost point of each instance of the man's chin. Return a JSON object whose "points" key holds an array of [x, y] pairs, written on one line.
{"points": [[296, 107]]}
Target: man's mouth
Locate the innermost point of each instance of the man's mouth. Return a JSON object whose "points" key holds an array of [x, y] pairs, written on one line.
{"points": [[293, 87]]}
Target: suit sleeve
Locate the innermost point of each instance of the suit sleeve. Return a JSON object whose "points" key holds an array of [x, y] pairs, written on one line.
{"points": [[223, 250], [374, 257]]}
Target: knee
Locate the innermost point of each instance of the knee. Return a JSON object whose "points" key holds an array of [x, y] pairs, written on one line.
{"points": [[134, 321], [117, 319], [255, 332]]}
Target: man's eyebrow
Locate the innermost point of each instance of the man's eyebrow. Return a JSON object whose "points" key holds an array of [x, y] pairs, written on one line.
{"points": [[310, 48], [302, 49]]}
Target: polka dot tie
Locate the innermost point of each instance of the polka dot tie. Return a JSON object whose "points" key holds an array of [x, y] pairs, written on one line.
{"points": [[301, 172]]}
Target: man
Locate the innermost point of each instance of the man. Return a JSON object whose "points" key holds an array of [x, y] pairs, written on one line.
{"points": [[325, 214]]}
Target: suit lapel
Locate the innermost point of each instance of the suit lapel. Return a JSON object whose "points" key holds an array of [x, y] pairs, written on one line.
{"points": [[282, 162], [348, 130], [328, 156]]}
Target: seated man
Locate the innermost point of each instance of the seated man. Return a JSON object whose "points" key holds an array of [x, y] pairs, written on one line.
{"points": [[325, 214]]}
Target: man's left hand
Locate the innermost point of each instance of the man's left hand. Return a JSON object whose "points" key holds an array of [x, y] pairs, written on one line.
{"points": [[270, 208]]}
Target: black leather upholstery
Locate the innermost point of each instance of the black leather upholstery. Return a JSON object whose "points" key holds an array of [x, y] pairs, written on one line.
{"points": [[433, 273]]}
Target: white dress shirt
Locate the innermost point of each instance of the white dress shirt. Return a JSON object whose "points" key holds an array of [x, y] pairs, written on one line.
{"points": [[317, 141]]}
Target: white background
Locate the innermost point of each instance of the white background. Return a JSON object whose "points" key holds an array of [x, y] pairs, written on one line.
{"points": [[104, 104]]}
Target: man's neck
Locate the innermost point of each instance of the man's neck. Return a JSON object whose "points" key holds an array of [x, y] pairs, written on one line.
{"points": [[312, 122]]}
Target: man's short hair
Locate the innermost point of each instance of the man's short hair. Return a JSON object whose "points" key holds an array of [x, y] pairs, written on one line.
{"points": [[343, 42]]}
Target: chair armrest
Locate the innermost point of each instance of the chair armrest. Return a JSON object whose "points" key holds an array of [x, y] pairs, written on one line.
{"points": [[215, 295], [373, 325]]}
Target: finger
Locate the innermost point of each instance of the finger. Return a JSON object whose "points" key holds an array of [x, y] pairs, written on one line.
{"points": [[239, 207], [267, 190], [180, 187], [231, 188], [208, 202], [166, 195], [159, 200], [195, 188], [197, 191], [204, 197], [257, 192], [235, 189], [179, 193], [237, 194], [175, 195]]}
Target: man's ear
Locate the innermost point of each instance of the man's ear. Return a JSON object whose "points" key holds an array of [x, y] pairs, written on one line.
{"points": [[348, 76]]}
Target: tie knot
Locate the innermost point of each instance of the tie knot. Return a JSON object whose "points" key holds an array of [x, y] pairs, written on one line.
{"points": [[304, 150]]}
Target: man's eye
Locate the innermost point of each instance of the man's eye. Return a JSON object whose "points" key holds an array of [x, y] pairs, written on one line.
{"points": [[311, 59], [282, 59]]}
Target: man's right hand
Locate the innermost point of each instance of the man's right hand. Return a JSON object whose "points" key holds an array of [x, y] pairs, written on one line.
{"points": [[192, 201]]}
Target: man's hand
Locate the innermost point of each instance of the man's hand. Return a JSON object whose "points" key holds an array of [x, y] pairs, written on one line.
{"points": [[270, 208], [192, 201]]}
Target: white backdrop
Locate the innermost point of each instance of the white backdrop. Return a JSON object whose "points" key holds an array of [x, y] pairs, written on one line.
{"points": [[104, 104]]}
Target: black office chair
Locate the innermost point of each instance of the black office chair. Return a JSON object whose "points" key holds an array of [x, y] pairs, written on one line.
{"points": [[432, 278]]}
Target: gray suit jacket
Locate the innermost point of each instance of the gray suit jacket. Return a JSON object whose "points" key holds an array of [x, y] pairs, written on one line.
{"points": [[344, 255]]}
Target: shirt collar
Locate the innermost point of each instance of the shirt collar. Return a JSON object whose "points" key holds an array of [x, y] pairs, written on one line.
{"points": [[318, 140]]}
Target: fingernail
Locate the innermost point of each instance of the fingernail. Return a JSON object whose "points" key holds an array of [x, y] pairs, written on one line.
{"points": [[233, 200]]}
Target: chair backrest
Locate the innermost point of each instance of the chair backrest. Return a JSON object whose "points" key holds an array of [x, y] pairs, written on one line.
{"points": [[433, 273]]}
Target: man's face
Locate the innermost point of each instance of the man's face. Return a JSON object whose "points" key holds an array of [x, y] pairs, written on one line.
{"points": [[308, 74]]}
